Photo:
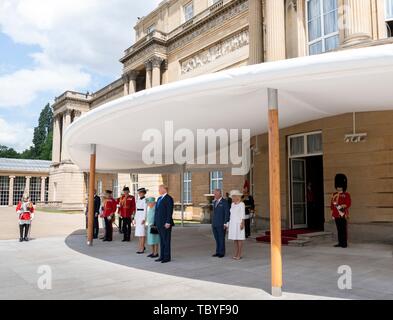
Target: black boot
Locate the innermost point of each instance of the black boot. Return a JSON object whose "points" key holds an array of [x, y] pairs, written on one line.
{"points": [[27, 227], [21, 226]]}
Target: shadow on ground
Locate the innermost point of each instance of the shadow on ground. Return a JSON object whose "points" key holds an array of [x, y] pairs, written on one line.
{"points": [[309, 270]]}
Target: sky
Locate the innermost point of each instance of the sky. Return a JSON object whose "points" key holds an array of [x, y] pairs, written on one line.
{"points": [[48, 47]]}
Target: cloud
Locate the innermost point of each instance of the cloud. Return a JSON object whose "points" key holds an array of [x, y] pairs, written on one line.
{"points": [[15, 135], [76, 39]]}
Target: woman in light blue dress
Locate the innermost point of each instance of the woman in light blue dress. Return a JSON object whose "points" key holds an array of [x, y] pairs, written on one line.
{"points": [[152, 239]]}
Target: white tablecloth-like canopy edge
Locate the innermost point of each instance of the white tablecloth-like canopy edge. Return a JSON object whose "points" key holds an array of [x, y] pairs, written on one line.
{"points": [[309, 88]]}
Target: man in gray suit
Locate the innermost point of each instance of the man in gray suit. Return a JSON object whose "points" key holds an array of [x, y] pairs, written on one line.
{"points": [[221, 213]]}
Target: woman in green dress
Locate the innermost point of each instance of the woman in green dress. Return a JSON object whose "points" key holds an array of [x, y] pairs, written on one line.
{"points": [[152, 239]]}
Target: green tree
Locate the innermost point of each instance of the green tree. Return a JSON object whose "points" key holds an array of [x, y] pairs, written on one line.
{"points": [[6, 152], [42, 146]]}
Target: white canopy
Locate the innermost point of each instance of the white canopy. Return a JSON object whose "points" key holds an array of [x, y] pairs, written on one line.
{"points": [[309, 88]]}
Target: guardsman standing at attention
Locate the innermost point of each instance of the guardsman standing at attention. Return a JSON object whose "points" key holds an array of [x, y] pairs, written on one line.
{"points": [[108, 213], [340, 204], [126, 211], [25, 211]]}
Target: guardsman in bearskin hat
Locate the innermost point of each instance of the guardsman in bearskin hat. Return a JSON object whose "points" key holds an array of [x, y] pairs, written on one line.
{"points": [[25, 211], [340, 204], [126, 211], [108, 213]]}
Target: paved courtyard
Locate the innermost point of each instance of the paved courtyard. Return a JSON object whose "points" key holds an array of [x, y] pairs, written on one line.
{"points": [[114, 271]]}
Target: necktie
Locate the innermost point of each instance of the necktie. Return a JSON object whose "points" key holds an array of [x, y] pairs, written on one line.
{"points": [[159, 201]]}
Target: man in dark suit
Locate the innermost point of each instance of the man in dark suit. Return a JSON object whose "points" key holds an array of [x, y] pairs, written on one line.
{"points": [[221, 213], [164, 222], [97, 206]]}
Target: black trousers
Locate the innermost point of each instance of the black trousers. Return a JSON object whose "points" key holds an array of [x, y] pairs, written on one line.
{"points": [[108, 229], [126, 229], [24, 230], [96, 226], [165, 243], [247, 226], [121, 224], [342, 224]]}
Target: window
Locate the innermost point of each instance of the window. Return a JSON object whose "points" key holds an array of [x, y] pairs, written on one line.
{"points": [[135, 184], [389, 16], [308, 144], [216, 179], [188, 11], [115, 188], [322, 24], [187, 189], [151, 29], [19, 189], [35, 189], [4, 190]]}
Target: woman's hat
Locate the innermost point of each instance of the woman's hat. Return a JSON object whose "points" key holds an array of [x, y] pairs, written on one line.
{"points": [[235, 193], [151, 200], [142, 190]]}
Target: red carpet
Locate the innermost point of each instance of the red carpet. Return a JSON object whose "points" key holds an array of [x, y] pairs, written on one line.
{"points": [[286, 235]]}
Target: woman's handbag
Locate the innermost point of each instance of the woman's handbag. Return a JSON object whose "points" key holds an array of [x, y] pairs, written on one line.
{"points": [[153, 229]]}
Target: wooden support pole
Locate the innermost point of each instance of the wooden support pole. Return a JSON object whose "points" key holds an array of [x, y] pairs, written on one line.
{"points": [[92, 178], [275, 193]]}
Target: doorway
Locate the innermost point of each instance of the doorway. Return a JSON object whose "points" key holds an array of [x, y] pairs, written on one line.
{"points": [[306, 183]]}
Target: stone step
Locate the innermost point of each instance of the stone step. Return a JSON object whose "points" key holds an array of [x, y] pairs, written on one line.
{"points": [[299, 242], [316, 236]]}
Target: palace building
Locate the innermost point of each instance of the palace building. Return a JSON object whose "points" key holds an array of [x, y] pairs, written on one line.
{"points": [[182, 39]]}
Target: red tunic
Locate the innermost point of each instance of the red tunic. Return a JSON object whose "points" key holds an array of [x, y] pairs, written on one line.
{"points": [[26, 215], [110, 207], [127, 206], [343, 198]]}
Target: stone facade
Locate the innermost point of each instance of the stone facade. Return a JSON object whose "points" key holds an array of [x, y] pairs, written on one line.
{"points": [[232, 33]]}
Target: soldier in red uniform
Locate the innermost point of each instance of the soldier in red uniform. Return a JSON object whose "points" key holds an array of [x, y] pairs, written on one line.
{"points": [[108, 213], [25, 211], [340, 204], [126, 211]]}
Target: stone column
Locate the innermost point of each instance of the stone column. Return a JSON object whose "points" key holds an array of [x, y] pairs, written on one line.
{"points": [[11, 191], [149, 68], [132, 82], [164, 72], [66, 123], [27, 186], [126, 84], [156, 77], [357, 22], [56, 139], [255, 32], [275, 30], [43, 180]]}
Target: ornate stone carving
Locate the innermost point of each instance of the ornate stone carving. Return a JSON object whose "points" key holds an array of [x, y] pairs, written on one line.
{"points": [[215, 52], [156, 62], [148, 51], [220, 19], [148, 65]]}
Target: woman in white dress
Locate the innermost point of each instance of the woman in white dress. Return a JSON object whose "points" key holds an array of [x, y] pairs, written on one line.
{"points": [[236, 223], [140, 219]]}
